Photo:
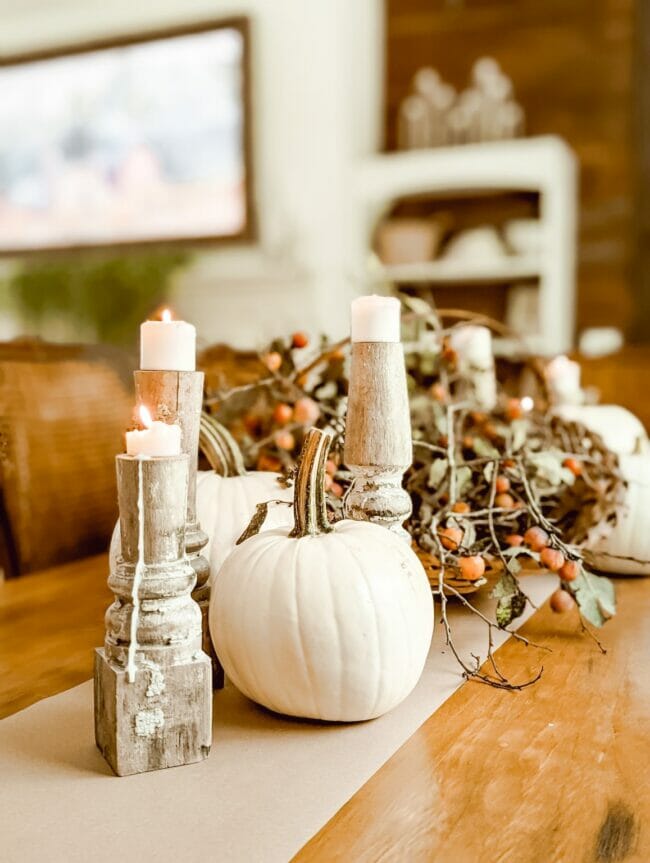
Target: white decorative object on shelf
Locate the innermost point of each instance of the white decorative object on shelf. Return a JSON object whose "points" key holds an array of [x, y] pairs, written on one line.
{"points": [[626, 549], [325, 622], [476, 244], [543, 165]]}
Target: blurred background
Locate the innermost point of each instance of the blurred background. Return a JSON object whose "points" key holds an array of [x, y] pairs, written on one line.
{"points": [[256, 165]]}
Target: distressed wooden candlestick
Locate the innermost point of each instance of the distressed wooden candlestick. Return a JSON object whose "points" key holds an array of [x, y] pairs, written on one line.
{"points": [[178, 397], [378, 446], [153, 692]]}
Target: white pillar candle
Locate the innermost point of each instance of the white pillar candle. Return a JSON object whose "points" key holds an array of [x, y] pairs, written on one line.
{"points": [[167, 345], [375, 319], [155, 439], [473, 347], [563, 379]]}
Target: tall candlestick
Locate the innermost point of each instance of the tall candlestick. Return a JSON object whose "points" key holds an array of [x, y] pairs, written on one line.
{"points": [[475, 359], [378, 447], [167, 345]]}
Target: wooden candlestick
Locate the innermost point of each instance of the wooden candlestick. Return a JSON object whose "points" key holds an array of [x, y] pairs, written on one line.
{"points": [[153, 692], [178, 397], [378, 446]]}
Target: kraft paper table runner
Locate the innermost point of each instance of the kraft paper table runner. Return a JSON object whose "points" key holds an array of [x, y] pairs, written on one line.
{"points": [[269, 784]]}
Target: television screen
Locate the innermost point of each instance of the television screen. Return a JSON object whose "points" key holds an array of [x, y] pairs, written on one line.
{"points": [[142, 141]]}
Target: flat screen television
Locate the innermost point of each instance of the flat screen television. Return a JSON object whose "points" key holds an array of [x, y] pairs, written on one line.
{"points": [[137, 141]]}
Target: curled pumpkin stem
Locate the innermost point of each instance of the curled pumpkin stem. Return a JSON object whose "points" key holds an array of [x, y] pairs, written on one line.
{"points": [[309, 506]]}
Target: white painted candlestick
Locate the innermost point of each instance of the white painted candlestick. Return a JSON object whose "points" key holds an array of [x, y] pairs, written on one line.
{"points": [[177, 397], [153, 692], [378, 446]]}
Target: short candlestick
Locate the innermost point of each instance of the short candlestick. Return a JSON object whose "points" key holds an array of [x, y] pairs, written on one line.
{"points": [[153, 693]]}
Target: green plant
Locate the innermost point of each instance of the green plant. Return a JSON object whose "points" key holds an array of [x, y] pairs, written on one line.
{"points": [[111, 295]]}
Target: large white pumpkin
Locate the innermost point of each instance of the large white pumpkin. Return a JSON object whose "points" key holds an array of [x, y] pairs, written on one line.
{"points": [[620, 430], [626, 549], [320, 622]]}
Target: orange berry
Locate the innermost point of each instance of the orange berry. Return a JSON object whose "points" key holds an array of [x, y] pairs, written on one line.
{"points": [[336, 489], [331, 467], [490, 432], [449, 354], [272, 361], [460, 507], [508, 462], [574, 466], [438, 392], [268, 462], [536, 538], [328, 482], [306, 411], [502, 483], [515, 540], [561, 601], [478, 418], [252, 424], [299, 340], [471, 568], [514, 410], [569, 570], [504, 501], [468, 442], [450, 537], [285, 440], [552, 559], [282, 413]]}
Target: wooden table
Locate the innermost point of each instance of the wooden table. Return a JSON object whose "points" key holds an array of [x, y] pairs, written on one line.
{"points": [[558, 772]]}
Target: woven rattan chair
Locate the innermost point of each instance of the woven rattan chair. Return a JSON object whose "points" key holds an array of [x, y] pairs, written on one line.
{"points": [[63, 412]]}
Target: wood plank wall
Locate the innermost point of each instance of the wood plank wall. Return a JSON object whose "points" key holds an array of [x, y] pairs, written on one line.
{"points": [[572, 63]]}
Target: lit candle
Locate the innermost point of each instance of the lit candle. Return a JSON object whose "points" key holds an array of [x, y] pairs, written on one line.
{"points": [[155, 439], [563, 379], [167, 345], [375, 319]]}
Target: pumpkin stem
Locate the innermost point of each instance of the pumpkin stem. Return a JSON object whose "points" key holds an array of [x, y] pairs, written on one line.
{"points": [[219, 447], [309, 509]]}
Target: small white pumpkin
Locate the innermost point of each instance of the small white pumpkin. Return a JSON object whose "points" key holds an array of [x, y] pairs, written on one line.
{"points": [[625, 550], [620, 430], [325, 622], [227, 497]]}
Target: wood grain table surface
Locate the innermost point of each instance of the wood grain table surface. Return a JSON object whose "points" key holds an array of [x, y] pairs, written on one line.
{"points": [[557, 772]]}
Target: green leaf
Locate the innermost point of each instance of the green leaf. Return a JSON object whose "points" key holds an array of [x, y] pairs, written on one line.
{"points": [[595, 596], [463, 477], [483, 449], [255, 524], [511, 602]]}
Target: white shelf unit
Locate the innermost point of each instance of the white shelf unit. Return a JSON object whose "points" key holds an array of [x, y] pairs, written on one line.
{"points": [[544, 165]]}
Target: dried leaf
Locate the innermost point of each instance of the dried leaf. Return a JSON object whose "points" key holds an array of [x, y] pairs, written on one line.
{"points": [[484, 449], [463, 478], [255, 524], [519, 433], [595, 596], [511, 602], [437, 472]]}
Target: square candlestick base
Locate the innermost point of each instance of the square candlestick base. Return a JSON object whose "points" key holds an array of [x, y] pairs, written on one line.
{"points": [[162, 719]]}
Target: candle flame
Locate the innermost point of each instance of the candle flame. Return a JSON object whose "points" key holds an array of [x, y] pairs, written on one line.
{"points": [[145, 417], [166, 315]]}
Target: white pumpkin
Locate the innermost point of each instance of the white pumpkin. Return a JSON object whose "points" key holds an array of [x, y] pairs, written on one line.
{"points": [[625, 550], [330, 623], [227, 497], [620, 430], [226, 504]]}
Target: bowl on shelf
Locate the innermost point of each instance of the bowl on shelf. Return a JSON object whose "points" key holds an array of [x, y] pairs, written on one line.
{"points": [[408, 240]]}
